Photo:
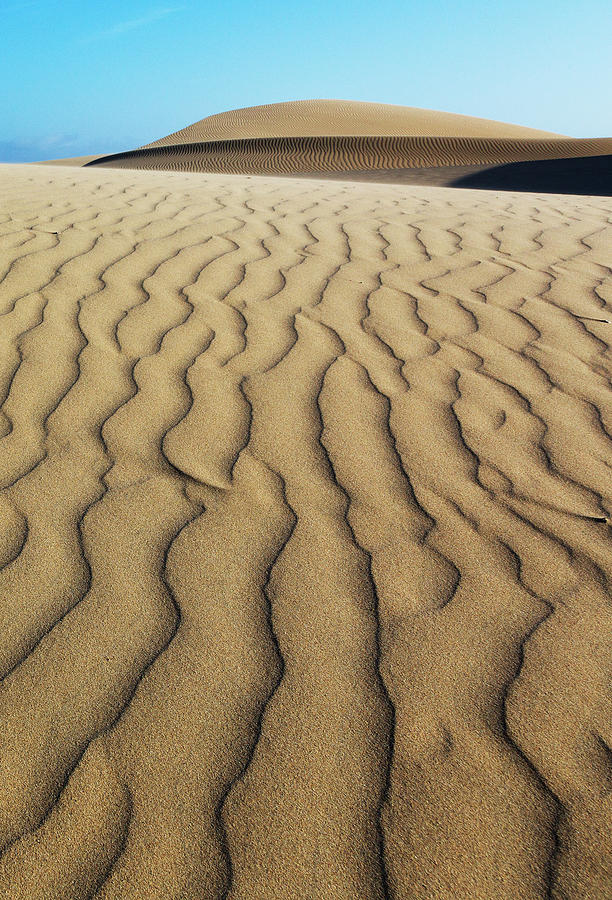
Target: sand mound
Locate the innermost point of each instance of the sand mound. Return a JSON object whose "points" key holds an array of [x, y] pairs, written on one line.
{"points": [[315, 118], [304, 540], [71, 160], [335, 136], [375, 142]]}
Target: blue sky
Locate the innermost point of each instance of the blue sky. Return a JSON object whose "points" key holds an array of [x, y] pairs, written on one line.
{"points": [[85, 77]]}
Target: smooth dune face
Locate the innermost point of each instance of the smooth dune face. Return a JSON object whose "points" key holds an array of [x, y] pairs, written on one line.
{"points": [[305, 556], [312, 118]]}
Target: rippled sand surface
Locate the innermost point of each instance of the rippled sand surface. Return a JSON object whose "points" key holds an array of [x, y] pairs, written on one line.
{"points": [[305, 562], [313, 118], [331, 154]]}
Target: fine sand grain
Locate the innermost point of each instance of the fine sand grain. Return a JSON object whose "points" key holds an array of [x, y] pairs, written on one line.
{"points": [[305, 550]]}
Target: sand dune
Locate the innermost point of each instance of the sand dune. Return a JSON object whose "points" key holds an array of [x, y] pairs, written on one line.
{"points": [[316, 118], [305, 539], [379, 143], [71, 160], [335, 137], [312, 155]]}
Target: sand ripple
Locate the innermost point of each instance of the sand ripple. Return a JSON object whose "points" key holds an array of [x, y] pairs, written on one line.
{"points": [[305, 492], [328, 154]]}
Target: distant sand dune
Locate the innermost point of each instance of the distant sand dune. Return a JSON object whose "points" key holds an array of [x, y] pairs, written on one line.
{"points": [[375, 142], [313, 118], [73, 160], [305, 495]]}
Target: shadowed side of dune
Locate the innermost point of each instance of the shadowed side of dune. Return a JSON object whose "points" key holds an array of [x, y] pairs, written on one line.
{"points": [[578, 175], [309, 155], [589, 175]]}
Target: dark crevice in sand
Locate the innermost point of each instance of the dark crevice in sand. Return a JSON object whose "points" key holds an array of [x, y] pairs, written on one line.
{"points": [[259, 713], [388, 712]]}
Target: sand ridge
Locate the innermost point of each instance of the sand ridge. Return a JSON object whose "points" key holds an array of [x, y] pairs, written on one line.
{"points": [[310, 155], [375, 142], [317, 118], [305, 544]]}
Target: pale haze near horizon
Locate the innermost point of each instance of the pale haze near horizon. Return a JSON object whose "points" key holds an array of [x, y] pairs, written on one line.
{"points": [[91, 78]]}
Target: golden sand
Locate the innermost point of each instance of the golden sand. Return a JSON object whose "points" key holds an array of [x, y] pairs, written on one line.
{"points": [[306, 155], [305, 540], [313, 118], [338, 137]]}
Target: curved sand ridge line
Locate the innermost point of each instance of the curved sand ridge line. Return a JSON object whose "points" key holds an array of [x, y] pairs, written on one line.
{"points": [[313, 118], [305, 543], [306, 155]]}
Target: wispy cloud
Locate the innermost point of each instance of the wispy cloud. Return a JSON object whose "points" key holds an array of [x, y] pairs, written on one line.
{"points": [[132, 24]]}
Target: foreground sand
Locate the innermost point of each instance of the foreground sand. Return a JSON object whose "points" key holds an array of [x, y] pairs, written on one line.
{"points": [[305, 544]]}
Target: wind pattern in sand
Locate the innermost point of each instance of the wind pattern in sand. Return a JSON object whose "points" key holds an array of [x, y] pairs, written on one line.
{"points": [[305, 543], [300, 155]]}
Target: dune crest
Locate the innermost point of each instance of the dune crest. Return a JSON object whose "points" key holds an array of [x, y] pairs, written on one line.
{"points": [[337, 118]]}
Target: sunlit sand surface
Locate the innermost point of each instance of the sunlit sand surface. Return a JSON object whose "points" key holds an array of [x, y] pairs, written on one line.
{"points": [[304, 539]]}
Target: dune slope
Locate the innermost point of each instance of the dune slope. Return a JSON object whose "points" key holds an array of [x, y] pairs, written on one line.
{"points": [[374, 141], [316, 118], [312, 155], [305, 539]]}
